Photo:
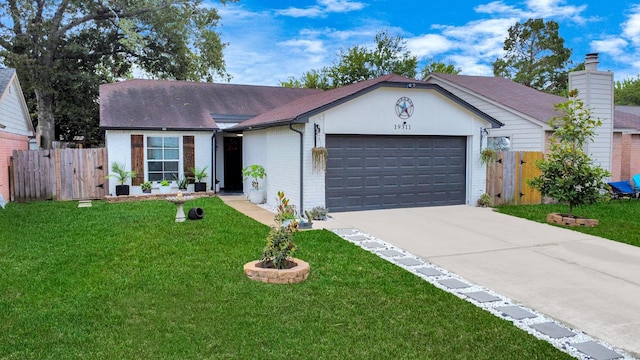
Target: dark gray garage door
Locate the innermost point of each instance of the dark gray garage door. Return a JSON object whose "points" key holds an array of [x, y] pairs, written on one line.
{"points": [[381, 172]]}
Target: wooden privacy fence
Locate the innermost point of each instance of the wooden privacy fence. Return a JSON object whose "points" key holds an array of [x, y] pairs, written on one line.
{"points": [[507, 178], [58, 174]]}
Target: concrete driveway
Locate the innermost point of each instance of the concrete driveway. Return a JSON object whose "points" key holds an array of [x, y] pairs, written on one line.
{"points": [[587, 283]]}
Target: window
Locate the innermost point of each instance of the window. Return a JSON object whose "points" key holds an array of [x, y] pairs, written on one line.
{"points": [[500, 143], [163, 155]]}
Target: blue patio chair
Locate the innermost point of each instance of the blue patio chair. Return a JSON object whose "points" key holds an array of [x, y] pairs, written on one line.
{"points": [[636, 181], [621, 189]]}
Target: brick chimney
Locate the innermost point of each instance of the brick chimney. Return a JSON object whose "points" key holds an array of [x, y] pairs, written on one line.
{"points": [[595, 89]]}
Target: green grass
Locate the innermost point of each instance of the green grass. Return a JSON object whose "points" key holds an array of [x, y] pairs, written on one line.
{"points": [[124, 281], [618, 220]]}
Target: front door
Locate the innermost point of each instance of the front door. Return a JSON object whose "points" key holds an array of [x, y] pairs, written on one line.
{"points": [[233, 163]]}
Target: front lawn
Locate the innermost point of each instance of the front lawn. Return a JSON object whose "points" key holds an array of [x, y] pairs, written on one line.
{"points": [[124, 281], [618, 218]]}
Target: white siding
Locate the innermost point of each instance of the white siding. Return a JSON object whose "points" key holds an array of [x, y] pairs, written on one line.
{"points": [[595, 88], [118, 143], [525, 134], [13, 112]]}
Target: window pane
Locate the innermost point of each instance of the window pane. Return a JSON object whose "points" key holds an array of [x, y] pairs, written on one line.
{"points": [[155, 176], [171, 175], [171, 166], [155, 166], [501, 143], [154, 154], [171, 154], [154, 142], [171, 142]]}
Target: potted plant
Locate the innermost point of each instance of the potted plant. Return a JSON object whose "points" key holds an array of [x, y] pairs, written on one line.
{"points": [[277, 265], [255, 173], [183, 183], [165, 186], [146, 187], [119, 172], [199, 174], [485, 200]]}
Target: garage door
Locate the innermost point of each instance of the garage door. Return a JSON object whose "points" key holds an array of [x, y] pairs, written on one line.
{"points": [[382, 172]]}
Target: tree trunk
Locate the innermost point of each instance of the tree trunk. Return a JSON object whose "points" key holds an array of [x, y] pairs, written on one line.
{"points": [[46, 122]]}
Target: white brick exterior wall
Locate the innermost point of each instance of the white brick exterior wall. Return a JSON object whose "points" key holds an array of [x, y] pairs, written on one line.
{"points": [[372, 113], [118, 143]]}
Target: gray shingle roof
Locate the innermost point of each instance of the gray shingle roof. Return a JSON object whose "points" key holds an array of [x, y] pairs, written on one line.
{"points": [[533, 103], [182, 105], [536, 104]]}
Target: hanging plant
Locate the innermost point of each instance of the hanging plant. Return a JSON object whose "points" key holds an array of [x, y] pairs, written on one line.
{"points": [[319, 159], [488, 156]]}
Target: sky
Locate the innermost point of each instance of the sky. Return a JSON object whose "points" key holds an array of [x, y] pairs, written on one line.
{"points": [[271, 41]]}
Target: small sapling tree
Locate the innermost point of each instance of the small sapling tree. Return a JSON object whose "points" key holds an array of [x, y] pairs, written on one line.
{"points": [[568, 173]]}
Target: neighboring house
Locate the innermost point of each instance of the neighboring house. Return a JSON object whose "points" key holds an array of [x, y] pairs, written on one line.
{"points": [[16, 128], [161, 129], [526, 113]]}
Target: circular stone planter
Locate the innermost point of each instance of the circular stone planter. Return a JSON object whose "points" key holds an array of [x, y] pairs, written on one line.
{"points": [[564, 219], [296, 274]]}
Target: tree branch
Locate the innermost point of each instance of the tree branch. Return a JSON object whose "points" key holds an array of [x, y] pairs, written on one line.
{"points": [[105, 14], [15, 16]]}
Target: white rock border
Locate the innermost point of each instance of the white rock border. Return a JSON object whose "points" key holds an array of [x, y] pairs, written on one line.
{"points": [[565, 344]]}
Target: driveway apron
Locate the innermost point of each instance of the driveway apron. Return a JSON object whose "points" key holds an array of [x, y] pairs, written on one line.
{"points": [[586, 282]]}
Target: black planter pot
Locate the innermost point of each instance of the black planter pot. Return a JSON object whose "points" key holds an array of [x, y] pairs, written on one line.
{"points": [[195, 213], [122, 190], [200, 186]]}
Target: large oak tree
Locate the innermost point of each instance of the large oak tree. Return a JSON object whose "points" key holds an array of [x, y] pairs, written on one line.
{"points": [[63, 49]]}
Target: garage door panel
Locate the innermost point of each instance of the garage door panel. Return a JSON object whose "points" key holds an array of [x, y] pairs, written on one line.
{"points": [[394, 171]]}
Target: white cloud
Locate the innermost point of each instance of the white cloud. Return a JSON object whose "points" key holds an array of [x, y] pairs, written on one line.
{"points": [[341, 6], [631, 27], [471, 65], [429, 45], [613, 46], [556, 8], [497, 7], [303, 46], [323, 8], [311, 12]]}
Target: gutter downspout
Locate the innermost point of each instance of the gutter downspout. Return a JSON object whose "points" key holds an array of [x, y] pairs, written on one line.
{"points": [[214, 153], [301, 168]]}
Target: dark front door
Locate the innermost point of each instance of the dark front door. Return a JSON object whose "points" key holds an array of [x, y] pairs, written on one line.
{"points": [[233, 163]]}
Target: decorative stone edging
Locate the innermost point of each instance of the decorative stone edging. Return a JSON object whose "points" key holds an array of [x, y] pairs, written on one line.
{"points": [[296, 274], [564, 219]]}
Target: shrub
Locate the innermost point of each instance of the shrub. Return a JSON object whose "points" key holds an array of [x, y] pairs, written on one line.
{"points": [[279, 247]]}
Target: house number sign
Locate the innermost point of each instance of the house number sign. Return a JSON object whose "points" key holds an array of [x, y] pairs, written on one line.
{"points": [[404, 110]]}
